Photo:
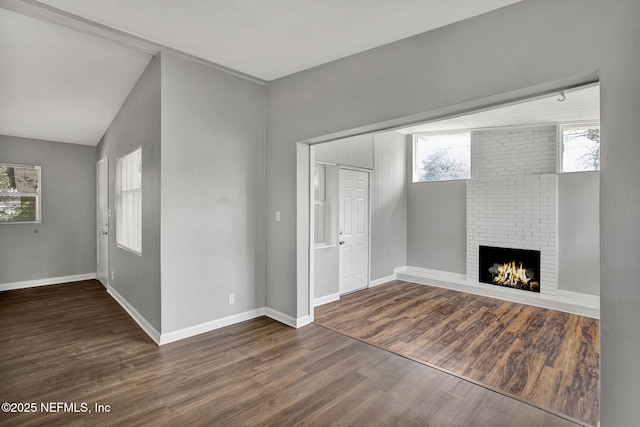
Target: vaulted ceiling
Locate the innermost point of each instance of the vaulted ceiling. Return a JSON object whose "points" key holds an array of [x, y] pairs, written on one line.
{"points": [[66, 66]]}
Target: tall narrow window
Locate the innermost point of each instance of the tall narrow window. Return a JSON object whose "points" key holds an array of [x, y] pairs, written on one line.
{"points": [[19, 193], [320, 204], [325, 202], [580, 147], [129, 201], [442, 156]]}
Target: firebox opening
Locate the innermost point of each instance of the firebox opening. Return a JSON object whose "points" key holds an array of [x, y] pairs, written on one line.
{"points": [[513, 268]]}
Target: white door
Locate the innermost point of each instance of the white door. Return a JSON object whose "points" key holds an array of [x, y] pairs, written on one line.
{"points": [[354, 230], [102, 221]]}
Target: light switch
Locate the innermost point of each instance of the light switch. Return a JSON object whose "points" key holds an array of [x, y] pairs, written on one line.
{"points": [[277, 216]]}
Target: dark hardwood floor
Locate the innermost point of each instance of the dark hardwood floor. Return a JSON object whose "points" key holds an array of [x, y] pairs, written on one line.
{"points": [[73, 343], [546, 357]]}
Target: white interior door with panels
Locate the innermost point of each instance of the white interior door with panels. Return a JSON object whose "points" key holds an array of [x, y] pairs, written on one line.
{"points": [[353, 230], [102, 221]]}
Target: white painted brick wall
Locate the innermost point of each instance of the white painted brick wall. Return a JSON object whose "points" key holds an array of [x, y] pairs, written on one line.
{"points": [[515, 152], [514, 207]]}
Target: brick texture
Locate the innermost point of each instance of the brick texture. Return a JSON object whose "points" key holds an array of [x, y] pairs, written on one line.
{"points": [[515, 206]]}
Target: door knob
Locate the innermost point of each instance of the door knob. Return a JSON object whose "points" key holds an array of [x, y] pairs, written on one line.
{"points": [[341, 242], [104, 233]]}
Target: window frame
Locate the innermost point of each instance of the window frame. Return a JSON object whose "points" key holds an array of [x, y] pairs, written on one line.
{"points": [[37, 194], [320, 203], [560, 144], [414, 143], [118, 202], [329, 205]]}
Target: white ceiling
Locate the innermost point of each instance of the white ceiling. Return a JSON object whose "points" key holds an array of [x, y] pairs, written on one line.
{"points": [[66, 66], [58, 84], [580, 105], [274, 38]]}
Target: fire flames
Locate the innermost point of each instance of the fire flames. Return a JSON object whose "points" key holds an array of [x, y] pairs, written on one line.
{"points": [[510, 274]]}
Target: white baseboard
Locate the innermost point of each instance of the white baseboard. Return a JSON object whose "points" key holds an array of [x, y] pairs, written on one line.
{"points": [[389, 278], [400, 269], [570, 302], [135, 315], [190, 331], [47, 281], [587, 300], [326, 299], [286, 319], [302, 321], [382, 280]]}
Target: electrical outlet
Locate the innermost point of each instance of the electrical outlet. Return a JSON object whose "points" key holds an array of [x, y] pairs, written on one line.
{"points": [[112, 275], [232, 298]]}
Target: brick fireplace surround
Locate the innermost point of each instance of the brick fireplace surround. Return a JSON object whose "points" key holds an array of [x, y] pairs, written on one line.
{"points": [[512, 202]]}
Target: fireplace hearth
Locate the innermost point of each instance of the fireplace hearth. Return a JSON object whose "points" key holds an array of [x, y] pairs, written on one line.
{"points": [[509, 267]]}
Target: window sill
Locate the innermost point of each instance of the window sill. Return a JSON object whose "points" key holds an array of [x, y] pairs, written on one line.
{"points": [[325, 246], [131, 251]]}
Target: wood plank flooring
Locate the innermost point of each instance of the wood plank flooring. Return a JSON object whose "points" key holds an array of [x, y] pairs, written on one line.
{"points": [[546, 357], [73, 343]]}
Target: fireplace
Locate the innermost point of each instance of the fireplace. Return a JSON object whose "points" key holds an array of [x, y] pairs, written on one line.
{"points": [[513, 268]]}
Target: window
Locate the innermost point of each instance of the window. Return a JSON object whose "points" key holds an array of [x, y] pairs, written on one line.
{"points": [[325, 182], [320, 204], [19, 193], [580, 150], [129, 201], [442, 156]]}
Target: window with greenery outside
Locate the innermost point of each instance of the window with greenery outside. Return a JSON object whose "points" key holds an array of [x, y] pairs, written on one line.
{"points": [[19, 193], [441, 157], [581, 148]]}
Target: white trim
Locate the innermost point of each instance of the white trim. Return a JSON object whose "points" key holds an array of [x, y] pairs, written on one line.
{"points": [[286, 319], [322, 162], [570, 302], [210, 326], [47, 281], [312, 227], [135, 315], [326, 299], [303, 321], [355, 168], [587, 300], [389, 278], [400, 269], [382, 280]]}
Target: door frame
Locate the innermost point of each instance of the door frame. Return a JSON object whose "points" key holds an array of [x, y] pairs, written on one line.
{"points": [[306, 160], [104, 164], [368, 172]]}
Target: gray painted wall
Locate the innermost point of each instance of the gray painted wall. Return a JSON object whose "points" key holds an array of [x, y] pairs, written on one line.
{"points": [[326, 271], [212, 194], [388, 205], [137, 278], [579, 232], [533, 45], [64, 243], [437, 226]]}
